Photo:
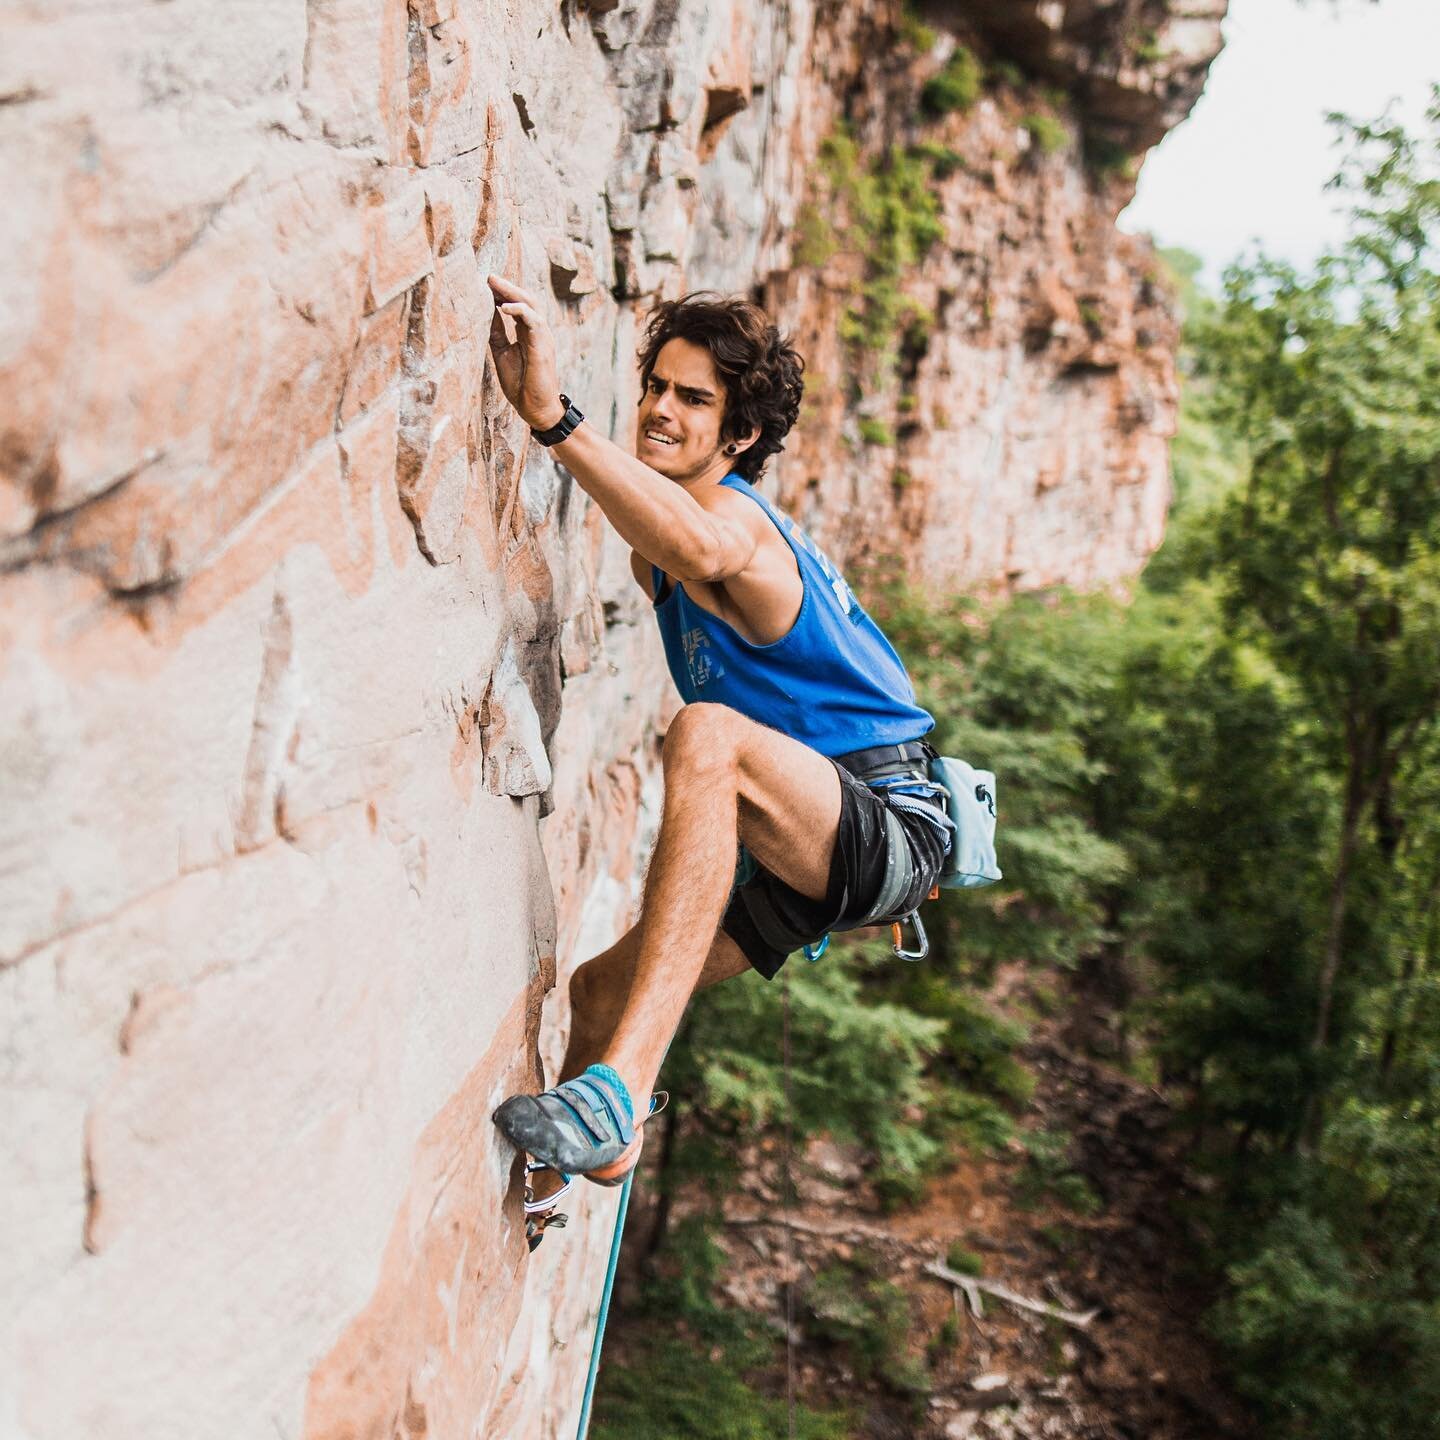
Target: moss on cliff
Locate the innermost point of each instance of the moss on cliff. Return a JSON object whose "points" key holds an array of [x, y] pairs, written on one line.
{"points": [[884, 212], [957, 87]]}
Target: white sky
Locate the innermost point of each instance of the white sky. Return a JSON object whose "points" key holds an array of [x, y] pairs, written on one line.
{"points": [[1252, 160]]}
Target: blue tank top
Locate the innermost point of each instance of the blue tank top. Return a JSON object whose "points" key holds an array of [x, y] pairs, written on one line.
{"points": [[833, 681]]}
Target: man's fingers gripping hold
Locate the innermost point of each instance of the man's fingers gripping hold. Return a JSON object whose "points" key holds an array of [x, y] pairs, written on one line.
{"points": [[508, 295], [525, 313], [509, 290]]}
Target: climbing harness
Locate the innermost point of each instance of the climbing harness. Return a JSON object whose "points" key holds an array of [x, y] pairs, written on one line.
{"points": [[950, 792]]}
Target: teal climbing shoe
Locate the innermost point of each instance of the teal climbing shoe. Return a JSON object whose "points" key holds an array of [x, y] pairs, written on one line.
{"points": [[658, 1101], [582, 1124]]}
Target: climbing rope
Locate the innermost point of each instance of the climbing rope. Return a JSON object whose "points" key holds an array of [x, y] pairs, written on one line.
{"points": [[604, 1308], [785, 1189], [785, 1203]]}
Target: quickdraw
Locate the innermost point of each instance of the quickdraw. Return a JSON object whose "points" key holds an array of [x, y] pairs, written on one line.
{"points": [[540, 1213], [922, 940]]}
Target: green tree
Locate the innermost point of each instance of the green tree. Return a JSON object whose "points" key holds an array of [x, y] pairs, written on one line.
{"points": [[1330, 553], [1324, 560]]}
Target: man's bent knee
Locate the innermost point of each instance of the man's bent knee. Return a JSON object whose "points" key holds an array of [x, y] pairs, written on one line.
{"points": [[703, 738]]}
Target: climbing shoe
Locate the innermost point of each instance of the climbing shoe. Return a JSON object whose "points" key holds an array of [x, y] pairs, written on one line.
{"points": [[583, 1124], [614, 1174]]}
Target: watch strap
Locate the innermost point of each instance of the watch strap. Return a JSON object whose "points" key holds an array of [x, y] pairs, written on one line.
{"points": [[562, 427]]}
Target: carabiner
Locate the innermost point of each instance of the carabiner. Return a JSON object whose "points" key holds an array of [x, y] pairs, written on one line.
{"points": [[813, 952], [898, 940]]}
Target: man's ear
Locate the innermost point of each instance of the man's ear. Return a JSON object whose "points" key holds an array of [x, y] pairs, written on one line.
{"points": [[742, 442]]}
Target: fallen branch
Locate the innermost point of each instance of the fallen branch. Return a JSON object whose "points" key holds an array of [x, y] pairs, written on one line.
{"points": [[856, 1231], [972, 1283]]}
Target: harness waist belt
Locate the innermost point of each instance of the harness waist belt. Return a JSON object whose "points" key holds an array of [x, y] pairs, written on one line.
{"points": [[857, 762]]}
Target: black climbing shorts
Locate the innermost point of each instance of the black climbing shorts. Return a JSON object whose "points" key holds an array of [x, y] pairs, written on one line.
{"points": [[888, 855]]}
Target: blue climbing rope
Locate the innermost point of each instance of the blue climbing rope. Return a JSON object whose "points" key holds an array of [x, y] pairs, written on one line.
{"points": [[604, 1308]]}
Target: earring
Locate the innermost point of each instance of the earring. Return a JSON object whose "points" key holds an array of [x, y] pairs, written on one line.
{"points": [[731, 449]]}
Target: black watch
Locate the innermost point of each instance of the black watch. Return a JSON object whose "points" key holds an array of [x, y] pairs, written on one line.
{"points": [[562, 428]]}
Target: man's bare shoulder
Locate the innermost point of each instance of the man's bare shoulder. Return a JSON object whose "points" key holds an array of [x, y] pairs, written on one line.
{"points": [[739, 509]]}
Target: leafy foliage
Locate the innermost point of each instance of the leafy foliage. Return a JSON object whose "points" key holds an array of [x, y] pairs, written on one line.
{"points": [[957, 87], [1019, 692], [1048, 1172], [964, 1261], [1049, 135], [1327, 1344], [886, 211], [679, 1389], [915, 32], [943, 160], [857, 1062], [688, 1372], [847, 1304], [1301, 952], [1106, 157]]}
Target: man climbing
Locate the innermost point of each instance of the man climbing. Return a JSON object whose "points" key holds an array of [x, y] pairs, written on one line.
{"points": [[792, 693]]}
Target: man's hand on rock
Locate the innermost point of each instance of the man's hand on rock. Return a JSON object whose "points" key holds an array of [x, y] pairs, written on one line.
{"points": [[524, 364]]}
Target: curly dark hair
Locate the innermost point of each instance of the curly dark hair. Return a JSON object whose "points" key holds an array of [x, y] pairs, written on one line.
{"points": [[758, 366]]}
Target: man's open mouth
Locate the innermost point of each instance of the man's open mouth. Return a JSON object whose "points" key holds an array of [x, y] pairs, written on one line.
{"points": [[660, 439]]}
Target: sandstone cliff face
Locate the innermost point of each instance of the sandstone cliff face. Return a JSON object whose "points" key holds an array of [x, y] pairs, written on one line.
{"points": [[305, 649]]}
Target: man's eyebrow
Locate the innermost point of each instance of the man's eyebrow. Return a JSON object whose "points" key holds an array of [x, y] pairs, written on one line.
{"points": [[695, 390]]}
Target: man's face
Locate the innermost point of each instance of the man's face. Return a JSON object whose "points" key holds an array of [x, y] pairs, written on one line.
{"points": [[678, 432]]}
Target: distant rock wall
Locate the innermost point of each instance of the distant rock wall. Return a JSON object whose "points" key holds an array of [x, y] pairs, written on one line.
{"points": [[1019, 438], [305, 648]]}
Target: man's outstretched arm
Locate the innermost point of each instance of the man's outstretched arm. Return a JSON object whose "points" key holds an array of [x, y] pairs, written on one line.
{"points": [[655, 515]]}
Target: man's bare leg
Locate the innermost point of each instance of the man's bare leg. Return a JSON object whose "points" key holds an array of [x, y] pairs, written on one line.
{"points": [[724, 775], [600, 987], [598, 991]]}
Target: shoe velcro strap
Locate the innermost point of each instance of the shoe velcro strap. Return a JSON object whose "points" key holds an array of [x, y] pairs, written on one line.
{"points": [[600, 1105]]}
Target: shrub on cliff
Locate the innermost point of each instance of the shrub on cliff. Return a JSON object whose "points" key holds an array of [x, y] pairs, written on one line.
{"points": [[944, 160], [1048, 134], [887, 212], [957, 87]]}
